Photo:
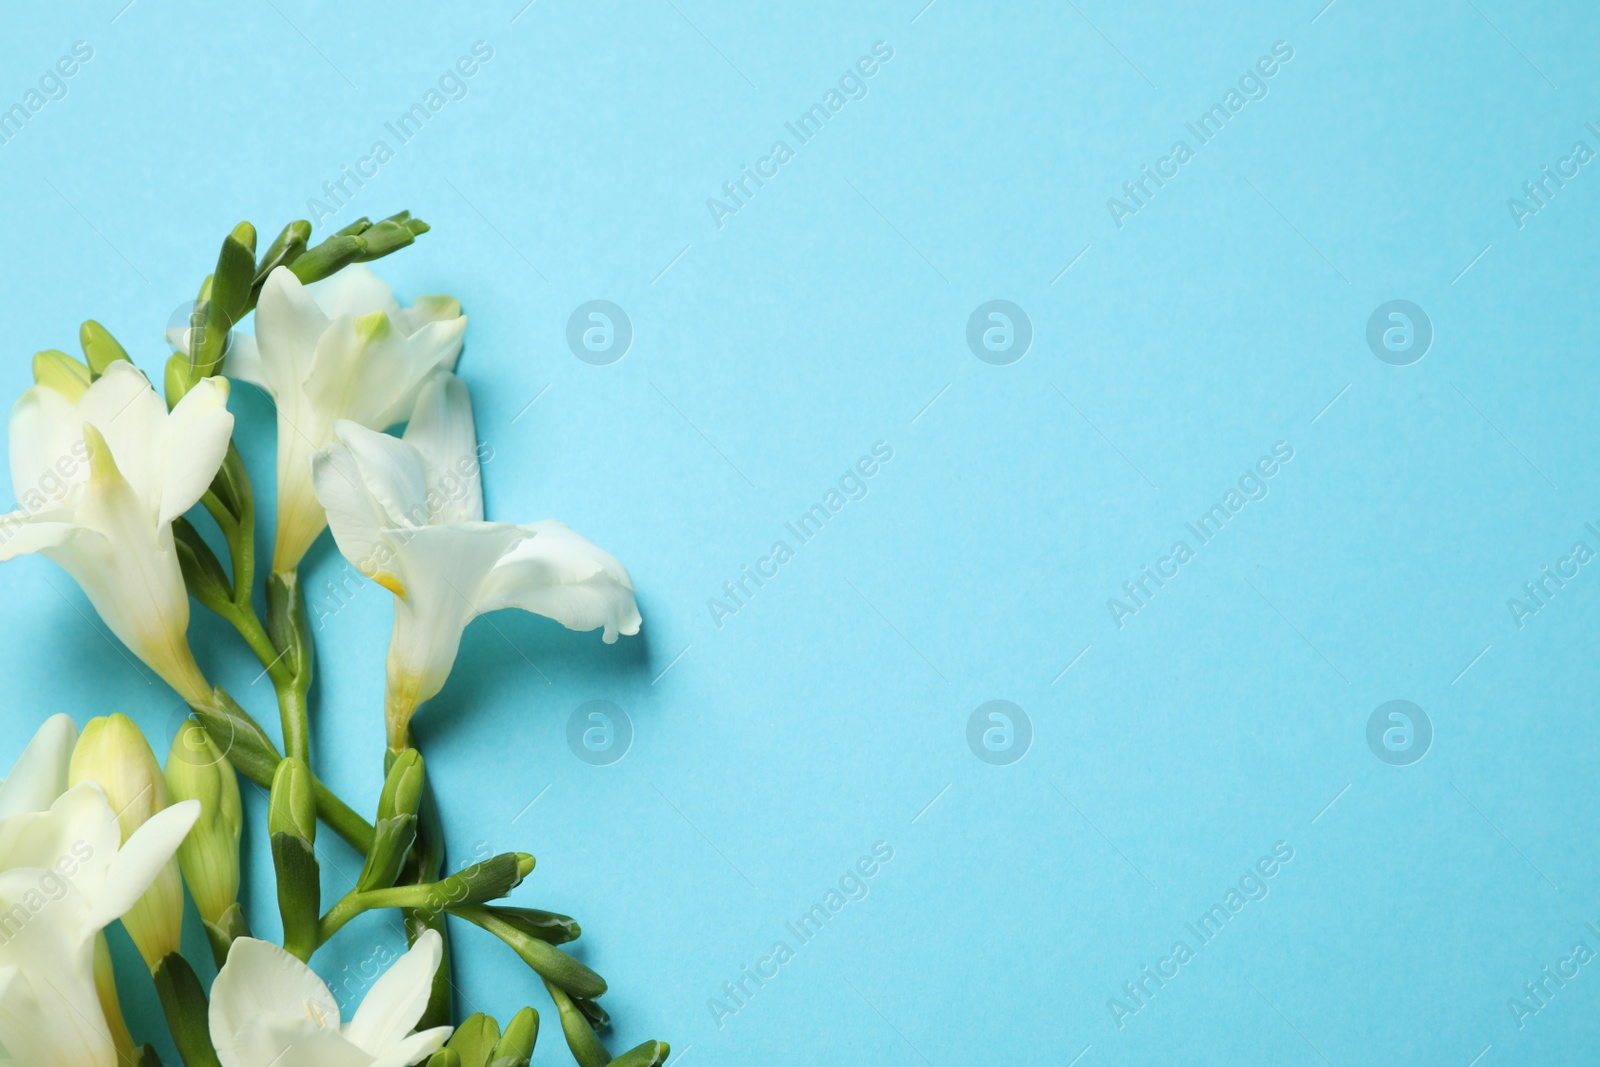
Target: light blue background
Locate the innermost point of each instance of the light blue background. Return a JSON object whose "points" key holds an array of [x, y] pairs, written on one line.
{"points": [[826, 315]]}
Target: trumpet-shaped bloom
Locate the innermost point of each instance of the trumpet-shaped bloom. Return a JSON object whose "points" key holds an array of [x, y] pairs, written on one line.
{"points": [[100, 471], [65, 874], [409, 514], [341, 348], [268, 1010]]}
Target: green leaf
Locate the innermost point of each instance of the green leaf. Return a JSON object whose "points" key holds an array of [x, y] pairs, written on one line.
{"points": [[184, 1001], [391, 842], [299, 893], [445, 1057], [202, 572], [239, 736], [289, 628], [598, 1017]]}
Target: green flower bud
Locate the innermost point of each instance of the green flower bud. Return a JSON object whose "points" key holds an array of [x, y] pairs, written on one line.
{"points": [[515, 1047], [292, 824], [60, 372], [292, 809], [489, 880], [99, 347], [288, 247], [209, 856], [112, 752], [105, 987], [586, 1049], [445, 1057], [549, 962], [649, 1054], [396, 825], [177, 379], [474, 1040], [402, 789]]}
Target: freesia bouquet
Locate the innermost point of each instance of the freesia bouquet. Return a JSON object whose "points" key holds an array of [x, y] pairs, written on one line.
{"points": [[93, 830]]}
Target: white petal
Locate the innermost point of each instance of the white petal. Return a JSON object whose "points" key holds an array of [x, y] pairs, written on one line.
{"points": [[444, 573], [22, 533], [415, 1048], [397, 1000], [198, 432], [427, 309], [354, 291], [40, 775], [367, 370], [133, 419], [562, 575], [357, 519], [391, 471], [243, 361], [441, 429], [141, 858], [259, 986], [288, 325], [43, 435]]}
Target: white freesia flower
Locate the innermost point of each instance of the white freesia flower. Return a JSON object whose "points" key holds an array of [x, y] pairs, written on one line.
{"points": [[100, 472], [409, 514], [65, 874], [341, 348], [270, 1010]]}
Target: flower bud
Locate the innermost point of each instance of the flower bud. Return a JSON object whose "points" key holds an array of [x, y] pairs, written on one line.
{"points": [[474, 1040], [649, 1054], [402, 789], [292, 809], [113, 753], [292, 824], [62, 373], [105, 987], [395, 829], [99, 347], [515, 1047], [209, 856]]}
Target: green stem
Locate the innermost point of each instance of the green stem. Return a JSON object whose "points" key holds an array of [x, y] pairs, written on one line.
{"points": [[294, 713], [343, 819]]}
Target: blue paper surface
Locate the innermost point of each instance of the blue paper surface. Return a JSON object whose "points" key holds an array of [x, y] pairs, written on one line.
{"points": [[1175, 324]]}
